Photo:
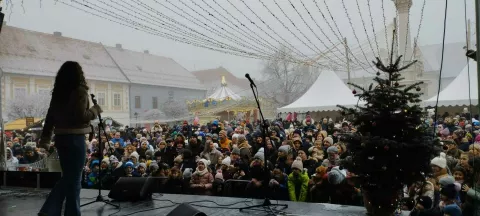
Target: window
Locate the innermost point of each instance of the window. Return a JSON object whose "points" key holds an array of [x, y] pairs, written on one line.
{"points": [[155, 103], [116, 100], [19, 92], [137, 102], [43, 91], [101, 98]]}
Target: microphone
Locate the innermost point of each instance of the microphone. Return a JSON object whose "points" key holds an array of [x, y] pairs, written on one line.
{"points": [[250, 79]]}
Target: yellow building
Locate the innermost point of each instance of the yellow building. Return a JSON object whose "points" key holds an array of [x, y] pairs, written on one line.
{"points": [[30, 60]]}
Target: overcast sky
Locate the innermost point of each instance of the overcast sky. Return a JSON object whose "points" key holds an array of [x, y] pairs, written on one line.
{"points": [[49, 16]]}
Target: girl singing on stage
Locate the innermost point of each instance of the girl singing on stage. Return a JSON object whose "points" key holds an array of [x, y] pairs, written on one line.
{"points": [[69, 119]]}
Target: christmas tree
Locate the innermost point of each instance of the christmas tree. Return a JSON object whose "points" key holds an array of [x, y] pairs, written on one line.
{"points": [[391, 147]]}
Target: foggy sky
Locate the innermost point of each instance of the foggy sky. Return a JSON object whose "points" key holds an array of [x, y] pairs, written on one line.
{"points": [[46, 16]]}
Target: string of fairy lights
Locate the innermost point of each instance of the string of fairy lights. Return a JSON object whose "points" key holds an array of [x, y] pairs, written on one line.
{"points": [[241, 29]]}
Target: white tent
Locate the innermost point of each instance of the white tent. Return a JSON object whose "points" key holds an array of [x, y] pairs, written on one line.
{"points": [[456, 94], [325, 94], [224, 92]]}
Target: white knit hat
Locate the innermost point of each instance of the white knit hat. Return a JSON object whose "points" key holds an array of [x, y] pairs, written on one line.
{"points": [[440, 161], [227, 161], [106, 160], [204, 161], [298, 164]]}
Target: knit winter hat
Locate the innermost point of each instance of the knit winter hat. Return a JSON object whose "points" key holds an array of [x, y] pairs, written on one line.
{"points": [[332, 149], [285, 149], [425, 201], [446, 181], [260, 156], [134, 154], [219, 175], [236, 151], [336, 176], [106, 160], [204, 161], [440, 161], [449, 191], [297, 164], [153, 166], [94, 162], [112, 158], [129, 164], [149, 153], [227, 161], [452, 210], [142, 165], [187, 173], [328, 139]]}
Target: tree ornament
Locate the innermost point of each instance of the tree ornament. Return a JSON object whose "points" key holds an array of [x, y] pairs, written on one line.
{"points": [[386, 148], [396, 84], [354, 91], [378, 73], [374, 124], [418, 89]]}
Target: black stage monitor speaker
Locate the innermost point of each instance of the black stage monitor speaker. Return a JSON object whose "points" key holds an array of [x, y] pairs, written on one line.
{"points": [[185, 210], [132, 189]]}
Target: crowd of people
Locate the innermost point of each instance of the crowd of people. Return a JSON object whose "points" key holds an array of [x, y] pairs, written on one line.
{"points": [[304, 162]]}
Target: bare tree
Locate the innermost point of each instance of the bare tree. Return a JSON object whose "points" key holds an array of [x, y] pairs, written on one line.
{"points": [[35, 105], [175, 109], [153, 114], [286, 80]]}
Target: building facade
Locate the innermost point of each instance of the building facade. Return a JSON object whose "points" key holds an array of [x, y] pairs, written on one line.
{"points": [[154, 80]]}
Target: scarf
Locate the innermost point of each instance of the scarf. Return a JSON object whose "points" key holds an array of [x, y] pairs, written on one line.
{"points": [[200, 173]]}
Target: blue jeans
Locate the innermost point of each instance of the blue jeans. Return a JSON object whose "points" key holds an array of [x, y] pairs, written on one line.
{"points": [[72, 153]]}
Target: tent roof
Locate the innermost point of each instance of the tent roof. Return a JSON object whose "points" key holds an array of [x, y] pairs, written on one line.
{"points": [[325, 94], [457, 93], [224, 92], [19, 124]]}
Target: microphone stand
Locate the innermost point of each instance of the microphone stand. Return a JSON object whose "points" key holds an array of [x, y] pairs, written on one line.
{"points": [[100, 149], [267, 204]]}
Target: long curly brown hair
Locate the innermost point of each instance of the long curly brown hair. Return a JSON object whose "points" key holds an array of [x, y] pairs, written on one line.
{"points": [[69, 77]]}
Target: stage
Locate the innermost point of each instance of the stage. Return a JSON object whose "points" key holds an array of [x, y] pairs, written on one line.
{"points": [[23, 201]]}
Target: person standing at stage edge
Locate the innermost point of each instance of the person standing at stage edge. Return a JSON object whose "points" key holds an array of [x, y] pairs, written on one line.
{"points": [[69, 117]]}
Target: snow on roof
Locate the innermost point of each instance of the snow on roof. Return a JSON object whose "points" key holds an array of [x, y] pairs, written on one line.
{"points": [[35, 53], [457, 92], [148, 69], [325, 94]]}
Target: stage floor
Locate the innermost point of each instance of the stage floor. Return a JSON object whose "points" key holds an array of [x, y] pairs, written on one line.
{"points": [[21, 201]]}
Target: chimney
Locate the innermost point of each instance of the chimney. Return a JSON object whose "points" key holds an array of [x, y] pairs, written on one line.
{"points": [[118, 46], [146, 52], [58, 34]]}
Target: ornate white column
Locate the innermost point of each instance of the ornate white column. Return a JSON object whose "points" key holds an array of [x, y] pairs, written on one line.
{"points": [[403, 8]]}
